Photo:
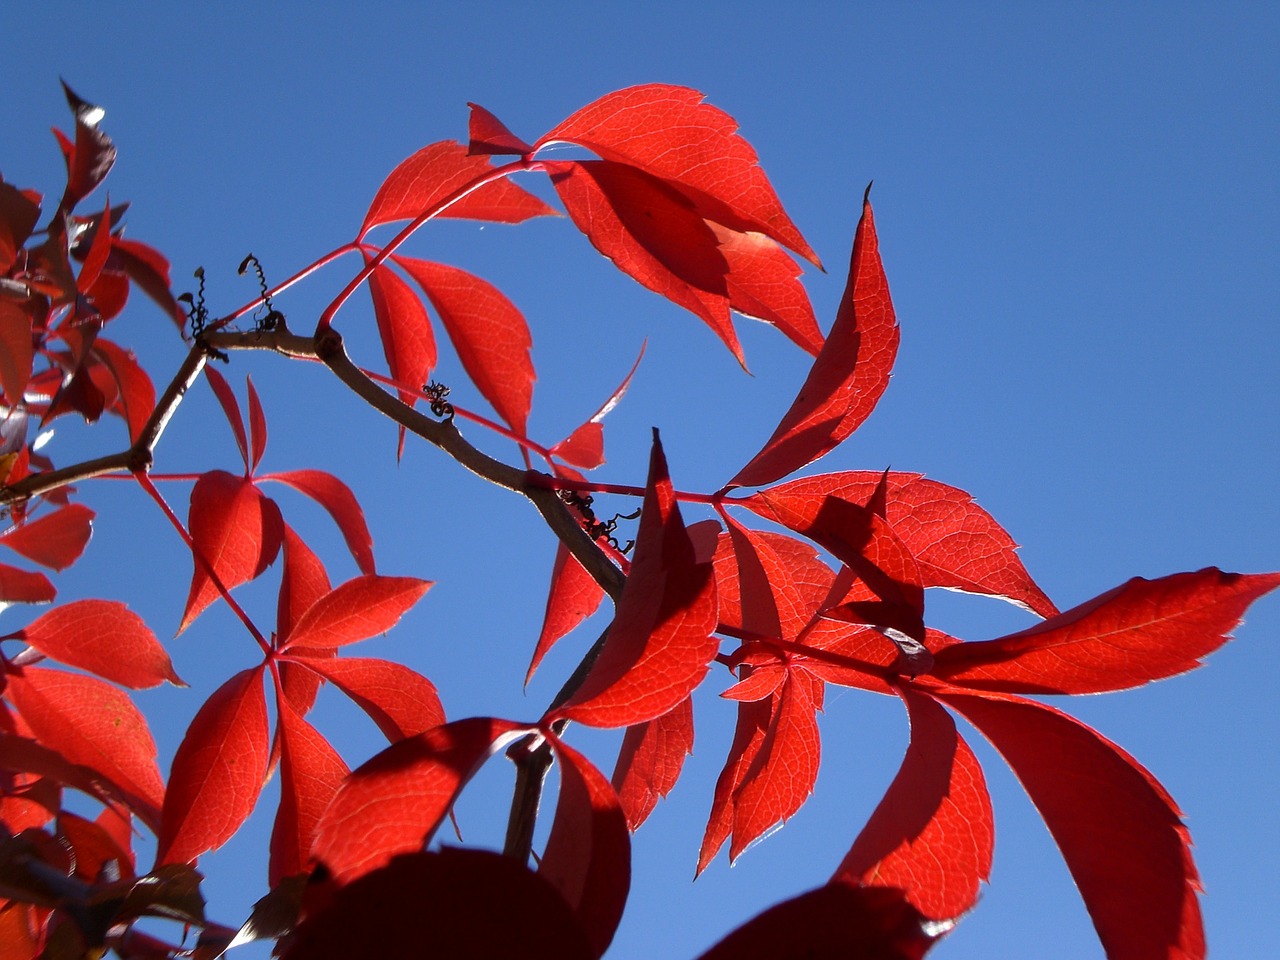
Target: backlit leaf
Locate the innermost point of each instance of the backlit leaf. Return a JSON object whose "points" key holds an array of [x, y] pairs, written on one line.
{"points": [[356, 610], [1141, 631], [650, 761], [93, 724], [932, 834], [401, 702], [488, 332], [310, 773], [573, 597], [408, 342], [231, 409], [336, 497], [236, 531], [661, 639], [218, 770], [55, 539], [669, 132], [588, 854], [103, 637], [848, 376], [487, 135], [393, 803], [136, 398], [1119, 831], [956, 544], [438, 171]]}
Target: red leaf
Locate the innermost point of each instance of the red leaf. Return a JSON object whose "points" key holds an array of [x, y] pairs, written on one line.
{"points": [[748, 736], [585, 446], [149, 269], [588, 854], [95, 725], [763, 283], [394, 802], [231, 408], [488, 332], [99, 250], [302, 582], [24, 586], [661, 639], [93, 847], [446, 903], [407, 339], [848, 376], [650, 760], [1119, 831], [105, 638], [437, 172], [54, 540], [310, 773], [19, 755], [337, 498], [401, 702], [257, 426], [891, 599], [956, 544], [16, 351], [217, 772], [1141, 631], [835, 921], [356, 610], [19, 213], [489, 135], [137, 396], [236, 530], [92, 156], [573, 597], [651, 233], [932, 834], [768, 584], [783, 772], [668, 132]]}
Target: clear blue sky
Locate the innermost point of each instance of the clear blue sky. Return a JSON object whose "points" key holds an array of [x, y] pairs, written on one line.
{"points": [[1078, 213]]}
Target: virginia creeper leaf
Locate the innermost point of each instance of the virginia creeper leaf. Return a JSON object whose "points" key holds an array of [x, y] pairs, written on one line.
{"points": [[336, 497], [956, 544], [837, 920], [748, 736], [669, 132], [95, 725], [489, 333], [231, 409], [651, 233], [356, 610], [54, 540], [401, 702], [407, 339], [650, 761], [1141, 631], [91, 157], [848, 376], [16, 352], [585, 446], [236, 531], [573, 597], [310, 773], [446, 902], [103, 637], [99, 251], [218, 770], [437, 172], [257, 427], [588, 854], [393, 803], [489, 136], [24, 586], [136, 397], [932, 834], [303, 581], [19, 213], [149, 269], [1119, 831], [22, 755], [661, 639]]}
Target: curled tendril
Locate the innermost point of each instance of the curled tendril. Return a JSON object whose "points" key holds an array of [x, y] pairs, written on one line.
{"points": [[598, 529], [436, 393], [273, 318], [198, 317]]}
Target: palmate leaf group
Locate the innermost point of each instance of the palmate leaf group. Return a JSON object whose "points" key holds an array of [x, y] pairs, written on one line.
{"points": [[791, 584]]}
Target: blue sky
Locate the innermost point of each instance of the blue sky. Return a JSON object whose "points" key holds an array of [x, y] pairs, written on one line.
{"points": [[1078, 215]]}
